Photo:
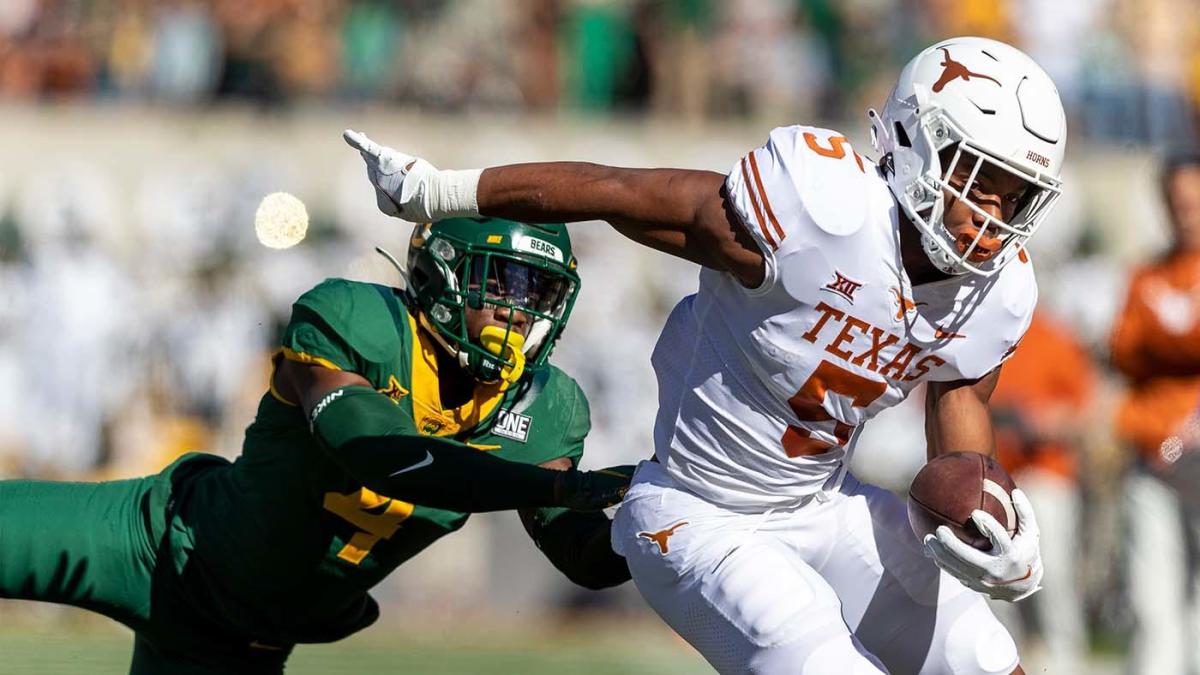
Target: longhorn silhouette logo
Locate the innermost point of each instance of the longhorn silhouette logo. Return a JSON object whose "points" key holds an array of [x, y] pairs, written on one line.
{"points": [[954, 70], [662, 536]]}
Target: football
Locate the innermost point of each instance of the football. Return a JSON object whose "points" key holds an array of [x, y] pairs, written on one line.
{"points": [[950, 487]]}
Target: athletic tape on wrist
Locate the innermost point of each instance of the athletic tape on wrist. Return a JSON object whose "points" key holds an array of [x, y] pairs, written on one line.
{"points": [[453, 193]]}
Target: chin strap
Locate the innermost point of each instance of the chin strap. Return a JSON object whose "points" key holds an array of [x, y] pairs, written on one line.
{"points": [[940, 259], [395, 263], [492, 338]]}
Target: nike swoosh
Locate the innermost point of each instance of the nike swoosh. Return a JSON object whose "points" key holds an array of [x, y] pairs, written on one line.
{"points": [[425, 462], [942, 334]]}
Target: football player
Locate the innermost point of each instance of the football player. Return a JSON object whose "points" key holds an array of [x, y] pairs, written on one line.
{"points": [[390, 416], [831, 287]]}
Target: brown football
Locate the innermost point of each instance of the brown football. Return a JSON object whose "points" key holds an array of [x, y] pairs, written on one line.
{"points": [[951, 486]]}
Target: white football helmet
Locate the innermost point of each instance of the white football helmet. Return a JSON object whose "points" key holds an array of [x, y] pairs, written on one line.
{"points": [[996, 106]]}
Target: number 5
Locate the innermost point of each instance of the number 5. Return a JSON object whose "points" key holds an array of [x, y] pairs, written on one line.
{"points": [[836, 150], [808, 404]]}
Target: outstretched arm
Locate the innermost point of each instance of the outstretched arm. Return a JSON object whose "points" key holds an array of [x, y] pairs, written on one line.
{"points": [[373, 442], [577, 543], [677, 211]]}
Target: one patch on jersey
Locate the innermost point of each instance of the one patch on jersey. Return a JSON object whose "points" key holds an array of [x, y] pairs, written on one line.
{"points": [[843, 285], [512, 425]]}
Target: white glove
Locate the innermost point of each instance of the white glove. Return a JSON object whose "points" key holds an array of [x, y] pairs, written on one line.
{"points": [[408, 187], [1011, 570]]}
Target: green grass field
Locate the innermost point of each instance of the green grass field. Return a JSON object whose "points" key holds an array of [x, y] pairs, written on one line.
{"points": [[63, 641], [110, 654], [70, 642]]}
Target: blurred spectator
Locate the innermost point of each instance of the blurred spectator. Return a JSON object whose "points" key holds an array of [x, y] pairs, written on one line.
{"points": [[770, 64], [76, 350], [1044, 27], [130, 53], [1162, 37], [673, 38], [538, 72], [372, 36], [249, 30], [599, 37], [187, 48], [1040, 410], [1128, 70], [306, 49], [460, 55], [1156, 345]]}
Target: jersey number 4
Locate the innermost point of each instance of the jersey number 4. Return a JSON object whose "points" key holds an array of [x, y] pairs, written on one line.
{"points": [[377, 517], [809, 406]]}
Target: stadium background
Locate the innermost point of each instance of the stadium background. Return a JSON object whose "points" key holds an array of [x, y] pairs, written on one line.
{"points": [[137, 309]]}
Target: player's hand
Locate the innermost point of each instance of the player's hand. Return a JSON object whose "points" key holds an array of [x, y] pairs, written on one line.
{"points": [[592, 490], [401, 181], [1011, 570]]}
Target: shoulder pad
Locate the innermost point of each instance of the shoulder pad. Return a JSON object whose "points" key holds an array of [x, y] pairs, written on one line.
{"points": [[834, 182], [1018, 289], [368, 318]]}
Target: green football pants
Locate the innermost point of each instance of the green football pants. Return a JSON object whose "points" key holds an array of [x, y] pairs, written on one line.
{"points": [[95, 546]]}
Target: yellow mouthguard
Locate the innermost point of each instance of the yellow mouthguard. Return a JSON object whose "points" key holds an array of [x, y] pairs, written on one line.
{"points": [[492, 339]]}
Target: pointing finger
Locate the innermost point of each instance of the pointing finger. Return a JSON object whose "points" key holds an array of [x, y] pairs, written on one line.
{"points": [[360, 142]]}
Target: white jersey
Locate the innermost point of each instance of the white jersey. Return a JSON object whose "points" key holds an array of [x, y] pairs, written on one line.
{"points": [[761, 391]]}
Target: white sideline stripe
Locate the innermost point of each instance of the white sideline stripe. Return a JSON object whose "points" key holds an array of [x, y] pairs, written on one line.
{"points": [[1010, 514]]}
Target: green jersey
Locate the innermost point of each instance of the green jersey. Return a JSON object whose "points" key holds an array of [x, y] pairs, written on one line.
{"points": [[282, 542]]}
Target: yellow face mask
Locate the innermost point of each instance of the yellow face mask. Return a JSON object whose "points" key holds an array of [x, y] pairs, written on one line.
{"points": [[492, 338]]}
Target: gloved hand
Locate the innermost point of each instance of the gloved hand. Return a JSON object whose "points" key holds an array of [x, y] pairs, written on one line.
{"points": [[593, 490], [1011, 570], [411, 188]]}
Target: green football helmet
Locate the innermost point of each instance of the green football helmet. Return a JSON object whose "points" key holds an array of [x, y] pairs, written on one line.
{"points": [[462, 263]]}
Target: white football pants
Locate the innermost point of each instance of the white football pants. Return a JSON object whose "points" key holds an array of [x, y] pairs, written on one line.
{"points": [[839, 586]]}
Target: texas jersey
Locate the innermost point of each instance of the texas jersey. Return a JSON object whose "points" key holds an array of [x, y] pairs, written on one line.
{"points": [[283, 542], [762, 390]]}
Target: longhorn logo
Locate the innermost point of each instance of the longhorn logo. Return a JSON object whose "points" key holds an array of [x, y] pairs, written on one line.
{"points": [[954, 70], [903, 305], [662, 536]]}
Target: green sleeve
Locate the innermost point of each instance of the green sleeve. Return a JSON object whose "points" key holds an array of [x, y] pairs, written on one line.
{"points": [[577, 543], [375, 442]]}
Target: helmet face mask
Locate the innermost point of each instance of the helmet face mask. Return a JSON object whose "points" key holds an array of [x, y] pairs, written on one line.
{"points": [[989, 108], [460, 267]]}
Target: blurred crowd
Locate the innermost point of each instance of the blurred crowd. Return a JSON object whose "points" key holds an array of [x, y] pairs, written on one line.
{"points": [[1130, 69], [137, 310]]}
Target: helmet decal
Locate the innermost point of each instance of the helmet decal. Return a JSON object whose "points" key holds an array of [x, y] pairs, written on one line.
{"points": [[955, 70]]}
